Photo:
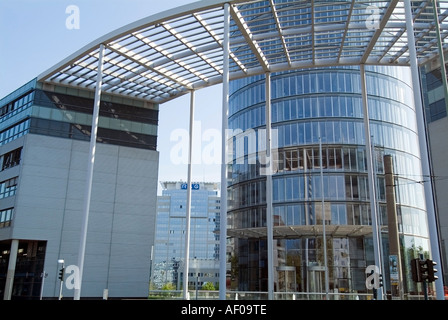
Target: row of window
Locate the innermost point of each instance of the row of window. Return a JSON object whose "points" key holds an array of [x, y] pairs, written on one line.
{"points": [[337, 158], [325, 106], [11, 109], [14, 132], [336, 213], [326, 132], [70, 116], [330, 187], [82, 132], [336, 187], [321, 82], [112, 110]]}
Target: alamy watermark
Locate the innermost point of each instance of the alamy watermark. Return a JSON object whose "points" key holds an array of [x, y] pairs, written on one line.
{"points": [[251, 143], [72, 279], [373, 278], [373, 21], [73, 20]]}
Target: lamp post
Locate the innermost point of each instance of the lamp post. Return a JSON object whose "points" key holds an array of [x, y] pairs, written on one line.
{"points": [[197, 275], [61, 277], [43, 275]]}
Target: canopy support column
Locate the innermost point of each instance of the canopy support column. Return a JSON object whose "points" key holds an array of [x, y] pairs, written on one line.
{"points": [[9, 283], [269, 217], [88, 190], [188, 213], [324, 222], [225, 108], [371, 180], [424, 150]]}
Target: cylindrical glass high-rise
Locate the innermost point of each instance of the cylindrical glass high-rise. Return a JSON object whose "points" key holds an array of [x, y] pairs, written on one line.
{"points": [[317, 119]]}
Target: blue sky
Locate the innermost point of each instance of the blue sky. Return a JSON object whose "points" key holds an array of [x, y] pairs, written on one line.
{"points": [[34, 37]]}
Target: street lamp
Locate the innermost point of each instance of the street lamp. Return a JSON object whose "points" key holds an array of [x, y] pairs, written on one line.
{"points": [[197, 275], [43, 275], [61, 277]]}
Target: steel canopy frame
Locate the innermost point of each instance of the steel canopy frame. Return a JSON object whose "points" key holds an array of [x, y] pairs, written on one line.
{"points": [[167, 55]]}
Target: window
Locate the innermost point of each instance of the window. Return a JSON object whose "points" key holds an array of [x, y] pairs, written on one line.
{"points": [[6, 217], [11, 159], [8, 188]]}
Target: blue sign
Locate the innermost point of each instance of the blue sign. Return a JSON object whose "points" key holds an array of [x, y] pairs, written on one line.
{"points": [[194, 186]]}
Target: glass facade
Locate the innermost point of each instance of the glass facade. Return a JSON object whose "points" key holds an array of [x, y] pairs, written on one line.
{"points": [[29, 268], [433, 93], [169, 249], [310, 109], [69, 116]]}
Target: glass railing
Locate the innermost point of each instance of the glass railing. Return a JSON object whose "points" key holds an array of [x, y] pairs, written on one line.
{"points": [[257, 295]]}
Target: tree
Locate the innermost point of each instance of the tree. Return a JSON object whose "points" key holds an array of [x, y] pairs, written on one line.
{"points": [[208, 286], [168, 286]]}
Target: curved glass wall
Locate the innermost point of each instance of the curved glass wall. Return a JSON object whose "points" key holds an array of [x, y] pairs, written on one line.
{"points": [[306, 105]]}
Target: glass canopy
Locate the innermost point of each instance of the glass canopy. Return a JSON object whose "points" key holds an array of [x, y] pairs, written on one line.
{"points": [[166, 55]]}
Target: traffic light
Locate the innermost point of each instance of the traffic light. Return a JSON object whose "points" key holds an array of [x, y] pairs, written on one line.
{"points": [[61, 274], [415, 270], [419, 269], [431, 270], [423, 269], [380, 280]]}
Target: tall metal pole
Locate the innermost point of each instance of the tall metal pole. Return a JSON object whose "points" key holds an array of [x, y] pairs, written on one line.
{"points": [[88, 189], [188, 213], [371, 179], [441, 54], [43, 275], [423, 143], [11, 269], [375, 169], [269, 218], [396, 277], [225, 107]]}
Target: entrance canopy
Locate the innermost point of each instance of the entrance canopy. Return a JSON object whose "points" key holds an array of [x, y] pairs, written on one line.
{"points": [[169, 54], [166, 55], [303, 231]]}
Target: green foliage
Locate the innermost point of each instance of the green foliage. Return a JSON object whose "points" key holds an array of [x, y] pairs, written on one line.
{"points": [[208, 286], [168, 286]]}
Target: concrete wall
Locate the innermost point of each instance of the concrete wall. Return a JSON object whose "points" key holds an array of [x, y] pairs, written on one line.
{"points": [[49, 206], [438, 133]]}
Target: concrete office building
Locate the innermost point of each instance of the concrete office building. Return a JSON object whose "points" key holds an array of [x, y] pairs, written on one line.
{"points": [[169, 245], [437, 124], [44, 148]]}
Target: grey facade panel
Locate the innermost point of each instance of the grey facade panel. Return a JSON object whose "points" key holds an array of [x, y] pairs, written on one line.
{"points": [[49, 206], [438, 131]]}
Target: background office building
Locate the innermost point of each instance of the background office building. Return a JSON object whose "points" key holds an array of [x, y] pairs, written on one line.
{"points": [[169, 244], [327, 103], [44, 146], [437, 128]]}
